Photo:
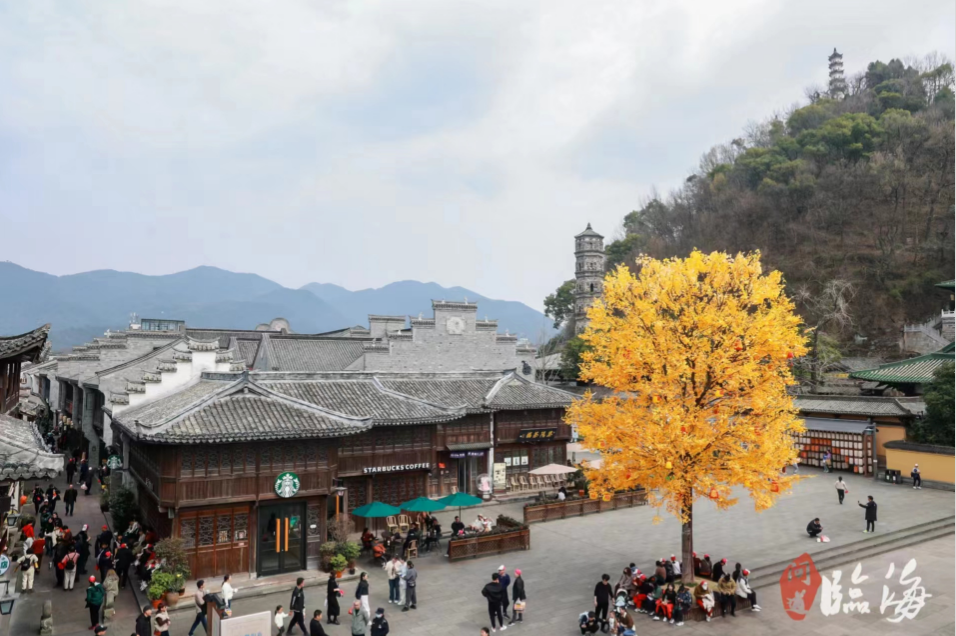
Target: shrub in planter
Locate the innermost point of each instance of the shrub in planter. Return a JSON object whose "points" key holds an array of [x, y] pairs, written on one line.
{"points": [[173, 551], [338, 563], [171, 584], [155, 591], [326, 551], [105, 501], [351, 551], [123, 508]]}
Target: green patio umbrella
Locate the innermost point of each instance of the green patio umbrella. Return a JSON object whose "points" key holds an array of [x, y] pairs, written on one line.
{"points": [[376, 509], [460, 500], [422, 504]]}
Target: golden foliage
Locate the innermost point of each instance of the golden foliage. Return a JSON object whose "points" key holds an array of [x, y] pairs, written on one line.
{"points": [[698, 352]]}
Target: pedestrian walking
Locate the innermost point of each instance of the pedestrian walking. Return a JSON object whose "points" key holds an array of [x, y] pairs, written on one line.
{"points": [[917, 478], [199, 600], [332, 600], [360, 619], [279, 620], [826, 462], [379, 625], [69, 567], [69, 500], [841, 489], [94, 600], [37, 499], [228, 591], [520, 599], [28, 565], [104, 563], [492, 593], [59, 563], [870, 514], [392, 568], [361, 592], [144, 622], [297, 605], [82, 543], [70, 470], [411, 583], [53, 495], [161, 622], [602, 599], [505, 581], [315, 625]]}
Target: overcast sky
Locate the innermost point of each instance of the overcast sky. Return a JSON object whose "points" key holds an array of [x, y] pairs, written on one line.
{"points": [[362, 143]]}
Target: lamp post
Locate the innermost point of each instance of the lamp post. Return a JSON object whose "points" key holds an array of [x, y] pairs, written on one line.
{"points": [[871, 429]]}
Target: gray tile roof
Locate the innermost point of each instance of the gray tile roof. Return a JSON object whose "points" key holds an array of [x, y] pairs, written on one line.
{"points": [[449, 392], [363, 398], [834, 426], [225, 335], [215, 411], [514, 392], [30, 343], [23, 455], [248, 350], [312, 354], [849, 405]]}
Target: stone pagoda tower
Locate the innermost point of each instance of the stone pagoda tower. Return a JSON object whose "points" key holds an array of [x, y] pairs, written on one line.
{"points": [[588, 272], [837, 87]]}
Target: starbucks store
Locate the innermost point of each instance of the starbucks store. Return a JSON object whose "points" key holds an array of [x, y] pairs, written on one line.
{"points": [[249, 470]]}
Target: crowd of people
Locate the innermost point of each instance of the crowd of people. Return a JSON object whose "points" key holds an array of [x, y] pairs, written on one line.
{"points": [[663, 597]]}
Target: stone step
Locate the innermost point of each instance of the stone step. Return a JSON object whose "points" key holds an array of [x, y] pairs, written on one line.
{"points": [[872, 545]]}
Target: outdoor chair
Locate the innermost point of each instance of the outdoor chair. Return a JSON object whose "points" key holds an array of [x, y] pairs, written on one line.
{"points": [[392, 524], [524, 482], [404, 523], [412, 550]]}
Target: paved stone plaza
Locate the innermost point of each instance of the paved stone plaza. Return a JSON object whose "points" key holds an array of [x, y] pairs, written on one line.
{"points": [[568, 557]]}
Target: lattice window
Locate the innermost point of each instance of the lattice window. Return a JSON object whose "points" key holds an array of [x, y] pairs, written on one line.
{"points": [[250, 459], [300, 455], [224, 528], [288, 455], [206, 534], [313, 525], [187, 530], [212, 462], [226, 458], [311, 456], [323, 455], [265, 458], [241, 526], [356, 494], [187, 455], [200, 461]]}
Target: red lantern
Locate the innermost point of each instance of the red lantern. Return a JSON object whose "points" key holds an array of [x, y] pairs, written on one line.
{"points": [[714, 494], [738, 347], [593, 495], [23, 500], [790, 355], [607, 496], [775, 487]]}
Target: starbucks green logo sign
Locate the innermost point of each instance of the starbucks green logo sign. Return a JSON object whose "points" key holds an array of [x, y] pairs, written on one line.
{"points": [[114, 462], [287, 484]]}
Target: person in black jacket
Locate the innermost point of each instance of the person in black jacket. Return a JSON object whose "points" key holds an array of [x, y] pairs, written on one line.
{"points": [[504, 580], [492, 593], [379, 623], [297, 606], [870, 514], [70, 470], [104, 564], [518, 595], [144, 622], [315, 625], [83, 549], [104, 541], [121, 563], [69, 500], [332, 600], [719, 570], [361, 592], [602, 599], [814, 528]]}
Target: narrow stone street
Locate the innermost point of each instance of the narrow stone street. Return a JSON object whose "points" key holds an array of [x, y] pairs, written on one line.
{"points": [[70, 616]]}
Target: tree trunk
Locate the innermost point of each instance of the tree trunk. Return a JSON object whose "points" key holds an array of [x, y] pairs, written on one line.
{"points": [[687, 541]]}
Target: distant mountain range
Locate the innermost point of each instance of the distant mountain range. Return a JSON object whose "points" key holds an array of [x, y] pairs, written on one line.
{"points": [[83, 306]]}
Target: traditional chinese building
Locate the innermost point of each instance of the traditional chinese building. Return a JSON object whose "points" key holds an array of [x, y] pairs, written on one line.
{"points": [[246, 467]]}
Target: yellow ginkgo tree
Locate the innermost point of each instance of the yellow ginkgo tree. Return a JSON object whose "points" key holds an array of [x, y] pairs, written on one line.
{"points": [[698, 354]]}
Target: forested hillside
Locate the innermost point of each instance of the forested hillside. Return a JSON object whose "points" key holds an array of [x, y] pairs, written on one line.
{"points": [[856, 187]]}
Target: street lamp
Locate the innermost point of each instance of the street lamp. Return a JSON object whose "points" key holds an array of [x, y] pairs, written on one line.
{"points": [[6, 601]]}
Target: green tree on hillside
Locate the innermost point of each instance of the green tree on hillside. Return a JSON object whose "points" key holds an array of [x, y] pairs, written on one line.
{"points": [[936, 427]]}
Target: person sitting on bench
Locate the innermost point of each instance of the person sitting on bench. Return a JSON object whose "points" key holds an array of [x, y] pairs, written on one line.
{"points": [[814, 528], [706, 567]]}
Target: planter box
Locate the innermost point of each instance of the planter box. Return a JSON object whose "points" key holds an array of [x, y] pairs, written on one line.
{"points": [[517, 538], [534, 513]]}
